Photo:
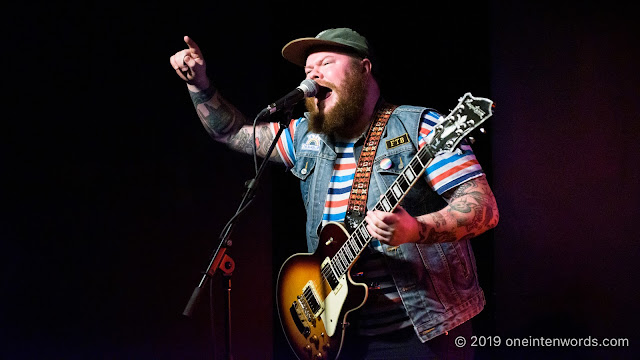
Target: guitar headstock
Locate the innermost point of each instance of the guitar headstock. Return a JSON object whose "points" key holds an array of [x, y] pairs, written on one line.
{"points": [[468, 115]]}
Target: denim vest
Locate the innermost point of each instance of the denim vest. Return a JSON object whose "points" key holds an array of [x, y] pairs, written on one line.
{"points": [[438, 283]]}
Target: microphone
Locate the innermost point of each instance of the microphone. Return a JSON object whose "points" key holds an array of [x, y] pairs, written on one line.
{"points": [[307, 88]]}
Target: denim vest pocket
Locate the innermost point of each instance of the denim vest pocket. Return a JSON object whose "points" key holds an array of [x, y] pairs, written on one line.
{"points": [[399, 161], [462, 257], [303, 168]]}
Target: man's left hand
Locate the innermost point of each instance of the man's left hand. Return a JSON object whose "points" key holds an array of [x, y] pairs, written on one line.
{"points": [[392, 228]]}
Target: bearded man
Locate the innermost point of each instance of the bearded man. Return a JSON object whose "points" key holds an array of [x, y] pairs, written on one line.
{"points": [[420, 268]]}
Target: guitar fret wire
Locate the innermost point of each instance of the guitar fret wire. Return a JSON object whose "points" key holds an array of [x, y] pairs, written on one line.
{"points": [[410, 174], [344, 262], [364, 235], [333, 267], [391, 199], [346, 254], [416, 166], [354, 247], [340, 266], [352, 254], [417, 158], [395, 188], [349, 251]]}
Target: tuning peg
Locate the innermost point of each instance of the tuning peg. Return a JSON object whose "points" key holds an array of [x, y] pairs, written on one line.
{"points": [[482, 130], [472, 140]]}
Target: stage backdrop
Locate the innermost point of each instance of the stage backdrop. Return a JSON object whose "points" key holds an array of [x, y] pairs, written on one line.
{"points": [[115, 195]]}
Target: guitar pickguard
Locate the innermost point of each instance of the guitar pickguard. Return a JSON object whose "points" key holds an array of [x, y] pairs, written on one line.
{"points": [[333, 304]]}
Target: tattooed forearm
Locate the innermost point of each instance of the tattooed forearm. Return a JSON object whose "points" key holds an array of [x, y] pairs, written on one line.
{"points": [[226, 124], [429, 235], [219, 118], [200, 97], [472, 205], [471, 211], [438, 219], [242, 141]]}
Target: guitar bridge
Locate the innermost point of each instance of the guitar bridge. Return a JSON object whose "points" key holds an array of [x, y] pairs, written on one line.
{"points": [[306, 309], [299, 319]]}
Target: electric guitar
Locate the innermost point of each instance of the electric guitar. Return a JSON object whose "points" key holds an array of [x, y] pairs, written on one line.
{"points": [[316, 292]]}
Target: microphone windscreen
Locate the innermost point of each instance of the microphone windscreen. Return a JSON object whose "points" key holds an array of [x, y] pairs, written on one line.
{"points": [[309, 87]]}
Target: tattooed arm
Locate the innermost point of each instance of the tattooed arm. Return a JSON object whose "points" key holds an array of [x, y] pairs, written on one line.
{"points": [[471, 210], [226, 124], [221, 119]]}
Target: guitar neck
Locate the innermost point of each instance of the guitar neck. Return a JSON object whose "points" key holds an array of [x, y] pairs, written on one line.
{"points": [[360, 238]]}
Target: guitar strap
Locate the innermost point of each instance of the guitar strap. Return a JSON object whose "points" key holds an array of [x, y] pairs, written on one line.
{"points": [[357, 205]]}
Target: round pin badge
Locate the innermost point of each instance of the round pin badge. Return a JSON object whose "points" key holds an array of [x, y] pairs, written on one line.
{"points": [[386, 164]]}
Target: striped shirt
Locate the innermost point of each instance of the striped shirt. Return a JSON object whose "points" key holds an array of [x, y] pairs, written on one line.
{"points": [[344, 170], [383, 312]]}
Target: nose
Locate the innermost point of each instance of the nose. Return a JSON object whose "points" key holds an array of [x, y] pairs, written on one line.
{"points": [[314, 74]]}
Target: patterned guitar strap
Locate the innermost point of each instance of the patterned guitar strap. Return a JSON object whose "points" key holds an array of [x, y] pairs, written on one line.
{"points": [[357, 206]]}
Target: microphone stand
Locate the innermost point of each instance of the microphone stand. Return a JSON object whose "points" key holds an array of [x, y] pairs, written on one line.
{"points": [[220, 259]]}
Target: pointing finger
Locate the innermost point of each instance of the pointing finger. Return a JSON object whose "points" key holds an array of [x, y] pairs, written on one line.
{"points": [[194, 50]]}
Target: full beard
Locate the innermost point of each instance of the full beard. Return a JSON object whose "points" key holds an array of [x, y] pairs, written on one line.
{"points": [[342, 119]]}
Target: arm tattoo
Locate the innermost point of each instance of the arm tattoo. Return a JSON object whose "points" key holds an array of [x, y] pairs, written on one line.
{"points": [[471, 211], [431, 236], [438, 219], [226, 124], [472, 205], [241, 141], [218, 117]]}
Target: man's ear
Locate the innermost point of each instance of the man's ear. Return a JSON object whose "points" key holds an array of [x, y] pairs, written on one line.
{"points": [[367, 66]]}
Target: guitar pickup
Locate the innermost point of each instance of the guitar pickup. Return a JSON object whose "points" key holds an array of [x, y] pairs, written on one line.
{"points": [[311, 300]]}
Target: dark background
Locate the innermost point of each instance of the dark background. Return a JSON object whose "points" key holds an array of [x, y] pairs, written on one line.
{"points": [[114, 195]]}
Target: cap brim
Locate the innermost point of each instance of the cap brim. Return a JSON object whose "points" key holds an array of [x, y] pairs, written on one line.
{"points": [[297, 50]]}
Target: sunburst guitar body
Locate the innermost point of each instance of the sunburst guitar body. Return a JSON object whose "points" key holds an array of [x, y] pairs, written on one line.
{"points": [[313, 303]]}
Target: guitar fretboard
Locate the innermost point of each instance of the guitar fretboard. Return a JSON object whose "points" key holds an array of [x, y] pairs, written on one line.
{"points": [[360, 238]]}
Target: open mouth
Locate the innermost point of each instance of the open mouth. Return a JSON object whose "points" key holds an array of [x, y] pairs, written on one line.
{"points": [[323, 93]]}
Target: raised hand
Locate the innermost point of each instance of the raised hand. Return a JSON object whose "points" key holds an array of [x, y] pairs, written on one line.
{"points": [[190, 66]]}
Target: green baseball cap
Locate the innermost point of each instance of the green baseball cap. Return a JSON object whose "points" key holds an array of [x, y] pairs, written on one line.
{"points": [[342, 39]]}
